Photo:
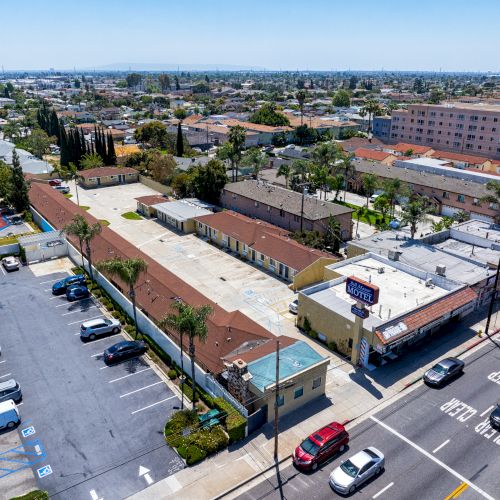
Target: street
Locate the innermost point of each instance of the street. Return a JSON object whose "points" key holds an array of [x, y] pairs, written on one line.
{"points": [[437, 444]]}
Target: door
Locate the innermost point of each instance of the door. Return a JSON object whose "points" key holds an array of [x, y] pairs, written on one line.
{"points": [[121, 178], [98, 181], [237, 246], [253, 255]]}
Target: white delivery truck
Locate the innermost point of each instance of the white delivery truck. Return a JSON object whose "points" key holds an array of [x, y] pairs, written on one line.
{"points": [[9, 414]]}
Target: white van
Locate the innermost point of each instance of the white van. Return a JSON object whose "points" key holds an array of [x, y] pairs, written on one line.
{"points": [[9, 414]]}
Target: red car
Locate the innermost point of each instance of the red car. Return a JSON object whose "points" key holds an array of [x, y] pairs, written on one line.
{"points": [[55, 182], [320, 446]]}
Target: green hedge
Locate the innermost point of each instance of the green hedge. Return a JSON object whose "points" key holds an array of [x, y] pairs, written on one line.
{"points": [[158, 350], [33, 495], [235, 422]]}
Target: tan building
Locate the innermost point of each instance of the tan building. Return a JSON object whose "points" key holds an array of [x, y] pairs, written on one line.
{"points": [[146, 204], [107, 176], [181, 214]]}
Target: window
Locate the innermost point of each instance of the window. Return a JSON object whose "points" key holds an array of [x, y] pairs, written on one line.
{"points": [[461, 198], [298, 393], [475, 201], [474, 118], [472, 127], [261, 256], [316, 383], [296, 218], [256, 203], [461, 117], [282, 213], [456, 144], [280, 400], [272, 262], [446, 195]]}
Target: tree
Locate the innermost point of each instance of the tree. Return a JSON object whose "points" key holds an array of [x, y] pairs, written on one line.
{"points": [[301, 168], [5, 180], [237, 137], [92, 230], [38, 142], [436, 96], [268, 115], [361, 212], [341, 99], [208, 181], [352, 82], [370, 184], [333, 234], [181, 185], [11, 130], [164, 81], [177, 84], [19, 187], [305, 135], [461, 216], [128, 271], [335, 183], [180, 113], [301, 98], [372, 108], [326, 155], [133, 79], [382, 204], [179, 143], [279, 140], [68, 173], [160, 166], [285, 171], [394, 189], [91, 160], [190, 321], [414, 213], [154, 133], [319, 178], [347, 168], [111, 154], [494, 197], [255, 159]]}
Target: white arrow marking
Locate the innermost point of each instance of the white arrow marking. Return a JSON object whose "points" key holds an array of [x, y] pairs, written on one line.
{"points": [[145, 472], [94, 495]]}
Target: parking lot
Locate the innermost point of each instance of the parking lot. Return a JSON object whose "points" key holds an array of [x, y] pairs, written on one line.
{"points": [[88, 430]]}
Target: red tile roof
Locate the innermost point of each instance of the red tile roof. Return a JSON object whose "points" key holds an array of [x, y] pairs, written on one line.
{"points": [[432, 312], [370, 154], [474, 160], [105, 172], [227, 330], [264, 238], [403, 147]]}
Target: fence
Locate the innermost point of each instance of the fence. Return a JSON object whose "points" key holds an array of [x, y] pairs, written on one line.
{"points": [[42, 223], [157, 186], [9, 249]]}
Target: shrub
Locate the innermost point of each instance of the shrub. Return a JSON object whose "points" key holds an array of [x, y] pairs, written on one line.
{"points": [[116, 314], [313, 334], [194, 455], [307, 325], [188, 390], [158, 350], [235, 422], [332, 345], [172, 374], [210, 440], [131, 330], [33, 495]]}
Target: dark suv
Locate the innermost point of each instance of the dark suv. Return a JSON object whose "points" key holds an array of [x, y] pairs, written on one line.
{"points": [[60, 287], [320, 446], [124, 350]]}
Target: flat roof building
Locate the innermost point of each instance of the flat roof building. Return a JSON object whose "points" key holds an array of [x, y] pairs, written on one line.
{"points": [[181, 213]]}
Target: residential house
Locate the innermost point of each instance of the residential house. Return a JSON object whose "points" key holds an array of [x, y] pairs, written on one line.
{"points": [[107, 176], [371, 154]]}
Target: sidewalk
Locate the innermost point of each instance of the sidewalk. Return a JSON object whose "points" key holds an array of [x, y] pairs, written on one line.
{"points": [[350, 394]]}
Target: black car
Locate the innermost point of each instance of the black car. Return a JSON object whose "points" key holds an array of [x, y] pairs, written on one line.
{"points": [[77, 292], [124, 350], [443, 371], [60, 286], [495, 418]]}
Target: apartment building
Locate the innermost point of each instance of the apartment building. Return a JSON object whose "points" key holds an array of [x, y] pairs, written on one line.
{"points": [[458, 127]]}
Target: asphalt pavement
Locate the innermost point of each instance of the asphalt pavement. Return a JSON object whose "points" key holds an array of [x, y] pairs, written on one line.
{"points": [[93, 431], [437, 442]]}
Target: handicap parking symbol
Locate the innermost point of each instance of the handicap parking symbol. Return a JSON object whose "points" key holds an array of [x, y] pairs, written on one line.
{"points": [[44, 471], [29, 431]]}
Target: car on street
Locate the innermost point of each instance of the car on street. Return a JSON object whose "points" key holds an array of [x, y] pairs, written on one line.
{"points": [[77, 292], [55, 182], [495, 418], [293, 306], [444, 371], [10, 263], [124, 350], [10, 389], [62, 189], [355, 471], [59, 287], [320, 446], [94, 328]]}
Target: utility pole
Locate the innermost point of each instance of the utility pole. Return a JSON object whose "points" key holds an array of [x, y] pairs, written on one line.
{"points": [[492, 302], [276, 399]]}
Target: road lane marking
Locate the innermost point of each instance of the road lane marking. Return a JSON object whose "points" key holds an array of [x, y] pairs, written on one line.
{"points": [[141, 389], [487, 411], [78, 311], [84, 320], [457, 491], [383, 490], [129, 375], [7, 375], [441, 446], [154, 404], [434, 459]]}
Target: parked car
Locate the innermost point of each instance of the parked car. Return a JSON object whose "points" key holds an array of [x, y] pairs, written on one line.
{"points": [[10, 263], [294, 306], [9, 415], [10, 390], [62, 189], [6, 210], [444, 371], [124, 350], [352, 473], [55, 182], [16, 220], [77, 292], [59, 287], [495, 418], [98, 327], [320, 446]]}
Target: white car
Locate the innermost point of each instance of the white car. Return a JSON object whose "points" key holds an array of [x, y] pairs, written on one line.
{"points": [[98, 327], [294, 306], [352, 473], [10, 263]]}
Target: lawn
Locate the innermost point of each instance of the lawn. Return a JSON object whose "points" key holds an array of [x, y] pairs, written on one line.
{"points": [[104, 222], [369, 217], [69, 195], [131, 216], [84, 207]]}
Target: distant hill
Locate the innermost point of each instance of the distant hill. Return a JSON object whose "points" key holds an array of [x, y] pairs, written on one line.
{"points": [[174, 67]]}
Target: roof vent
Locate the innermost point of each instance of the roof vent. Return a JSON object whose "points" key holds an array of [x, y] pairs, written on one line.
{"points": [[441, 270]]}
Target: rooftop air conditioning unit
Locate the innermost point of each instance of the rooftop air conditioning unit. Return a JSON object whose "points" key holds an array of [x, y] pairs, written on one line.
{"points": [[441, 270], [393, 255], [381, 270], [429, 283]]}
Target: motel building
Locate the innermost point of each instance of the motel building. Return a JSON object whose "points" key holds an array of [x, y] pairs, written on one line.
{"points": [[371, 308]]}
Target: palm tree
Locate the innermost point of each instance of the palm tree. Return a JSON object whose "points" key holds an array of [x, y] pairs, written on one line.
{"points": [[128, 270], [382, 204], [301, 98], [236, 138], [301, 168], [348, 169], [413, 213], [319, 177], [361, 212], [372, 108], [77, 228], [335, 183], [192, 321], [285, 171], [92, 231], [394, 188], [494, 197], [69, 173], [326, 155], [256, 159], [370, 184]]}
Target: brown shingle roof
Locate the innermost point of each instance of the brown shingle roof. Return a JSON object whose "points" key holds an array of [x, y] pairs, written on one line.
{"points": [[227, 330], [105, 172], [152, 199]]}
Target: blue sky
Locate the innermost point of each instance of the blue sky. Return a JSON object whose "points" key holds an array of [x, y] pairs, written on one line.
{"points": [[453, 35]]}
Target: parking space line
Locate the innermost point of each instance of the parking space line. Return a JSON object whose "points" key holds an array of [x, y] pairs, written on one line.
{"points": [[103, 367], [3, 361], [49, 281], [48, 290], [99, 340], [97, 354], [74, 302], [73, 312], [7, 375], [84, 320], [56, 297], [129, 375], [431, 457], [4, 273], [440, 446], [383, 490], [487, 411], [141, 389], [154, 404]]}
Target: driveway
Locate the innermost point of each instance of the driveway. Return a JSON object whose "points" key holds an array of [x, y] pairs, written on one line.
{"points": [[92, 431]]}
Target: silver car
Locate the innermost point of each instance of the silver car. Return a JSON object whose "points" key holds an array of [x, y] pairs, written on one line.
{"points": [[444, 371], [352, 473], [10, 264], [10, 389], [98, 327]]}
